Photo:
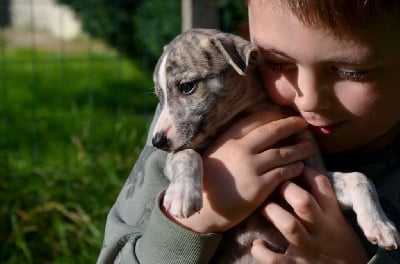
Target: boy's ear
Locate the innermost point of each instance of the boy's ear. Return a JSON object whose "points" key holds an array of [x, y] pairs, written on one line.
{"points": [[239, 52]]}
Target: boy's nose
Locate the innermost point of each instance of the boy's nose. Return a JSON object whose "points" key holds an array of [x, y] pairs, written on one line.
{"points": [[312, 92]]}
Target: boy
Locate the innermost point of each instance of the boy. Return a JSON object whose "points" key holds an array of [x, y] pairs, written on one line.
{"points": [[337, 64]]}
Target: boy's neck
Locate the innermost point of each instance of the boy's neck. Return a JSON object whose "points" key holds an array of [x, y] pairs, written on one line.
{"points": [[383, 141], [380, 152]]}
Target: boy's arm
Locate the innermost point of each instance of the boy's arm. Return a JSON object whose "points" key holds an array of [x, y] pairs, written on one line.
{"points": [[136, 229]]}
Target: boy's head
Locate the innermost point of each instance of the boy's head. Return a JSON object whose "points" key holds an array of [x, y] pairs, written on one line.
{"points": [[341, 15], [336, 62]]}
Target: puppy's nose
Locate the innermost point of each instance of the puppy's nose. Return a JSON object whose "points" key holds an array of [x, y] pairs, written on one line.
{"points": [[160, 141]]}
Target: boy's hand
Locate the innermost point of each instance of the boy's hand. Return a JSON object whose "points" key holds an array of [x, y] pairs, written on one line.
{"points": [[242, 168], [316, 231]]}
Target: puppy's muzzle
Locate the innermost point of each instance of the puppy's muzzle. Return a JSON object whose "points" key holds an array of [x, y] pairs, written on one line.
{"points": [[160, 140]]}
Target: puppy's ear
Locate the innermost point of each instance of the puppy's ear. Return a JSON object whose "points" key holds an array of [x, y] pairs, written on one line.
{"points": [[239, 52]]}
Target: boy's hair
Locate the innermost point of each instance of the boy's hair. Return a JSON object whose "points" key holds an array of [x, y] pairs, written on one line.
{"points": [[342, 15]]}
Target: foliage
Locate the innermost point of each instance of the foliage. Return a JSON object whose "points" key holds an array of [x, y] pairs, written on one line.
{"points": [[140, 28], [70, 130], [110, 21], [156, 23], [135, 28], [233, 15]]}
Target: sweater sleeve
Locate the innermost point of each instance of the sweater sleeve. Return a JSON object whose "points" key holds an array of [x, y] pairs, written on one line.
{"points": [[173, 243], [138, 232]]}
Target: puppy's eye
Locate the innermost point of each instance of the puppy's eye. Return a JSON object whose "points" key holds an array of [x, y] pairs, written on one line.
{"points": [[187, 87]]}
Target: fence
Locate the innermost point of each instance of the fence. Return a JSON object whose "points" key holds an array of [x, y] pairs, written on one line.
{"points": [[74, 112], [38, 57], [73, 117]]}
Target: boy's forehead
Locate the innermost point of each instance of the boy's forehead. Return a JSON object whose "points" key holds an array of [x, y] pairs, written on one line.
{"points": [[338, 16]]}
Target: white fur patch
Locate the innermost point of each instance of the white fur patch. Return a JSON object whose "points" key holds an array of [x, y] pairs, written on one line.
{"points": [[162, 78], [164, 122], [162, 82]]}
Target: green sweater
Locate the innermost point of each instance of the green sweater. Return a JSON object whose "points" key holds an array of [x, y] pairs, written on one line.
{"points": [[138, 232]]}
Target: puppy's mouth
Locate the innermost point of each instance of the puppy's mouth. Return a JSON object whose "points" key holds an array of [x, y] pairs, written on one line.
{"points": [[191, 143], [188, 137], [198, 143], [198, 139], [161, 141]]}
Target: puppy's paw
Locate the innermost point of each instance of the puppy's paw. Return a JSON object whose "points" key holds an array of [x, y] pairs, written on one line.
{"points": [[384, 234], [184, 197], [182, 200]]}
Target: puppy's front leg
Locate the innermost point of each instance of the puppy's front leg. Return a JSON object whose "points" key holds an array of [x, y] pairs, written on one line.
{"points": [[354, 190], [184, 169]]}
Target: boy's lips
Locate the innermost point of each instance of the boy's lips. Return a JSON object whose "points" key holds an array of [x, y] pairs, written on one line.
{"points": [[325, 129]]}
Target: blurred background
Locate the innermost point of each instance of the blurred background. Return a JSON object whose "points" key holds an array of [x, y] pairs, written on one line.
{"points": [[76, 100]]}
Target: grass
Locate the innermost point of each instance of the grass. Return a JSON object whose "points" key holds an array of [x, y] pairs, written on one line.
{"points": [[71, 127]]}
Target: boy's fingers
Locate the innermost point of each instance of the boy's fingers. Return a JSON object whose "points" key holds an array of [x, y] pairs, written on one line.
{"points": [[273, 178], [302, 202], [284, 155], [310, 205], [271, 133], [321, 188], [287, 224], [247, 124]]}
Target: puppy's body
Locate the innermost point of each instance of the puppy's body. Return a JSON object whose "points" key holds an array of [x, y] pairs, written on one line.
{"points": [[205, 79]]}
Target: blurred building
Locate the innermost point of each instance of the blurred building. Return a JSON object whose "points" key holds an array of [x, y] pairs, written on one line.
{"points": [[42, 15]]}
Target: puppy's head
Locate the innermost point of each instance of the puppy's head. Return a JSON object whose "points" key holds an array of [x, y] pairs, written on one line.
{"points": [[199, 80]]}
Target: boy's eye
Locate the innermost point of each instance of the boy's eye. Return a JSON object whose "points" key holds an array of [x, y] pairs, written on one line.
{"points": [[279, 66], [350, 75]]}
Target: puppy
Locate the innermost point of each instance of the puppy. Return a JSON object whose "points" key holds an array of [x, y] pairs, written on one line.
{"points": [[204, 80]]}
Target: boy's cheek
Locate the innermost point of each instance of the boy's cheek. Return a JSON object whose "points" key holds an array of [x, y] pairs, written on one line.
{"points": [[279, 91]]}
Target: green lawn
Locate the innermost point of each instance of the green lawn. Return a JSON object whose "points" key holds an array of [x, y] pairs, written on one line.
{"points": [[71, 127]]}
